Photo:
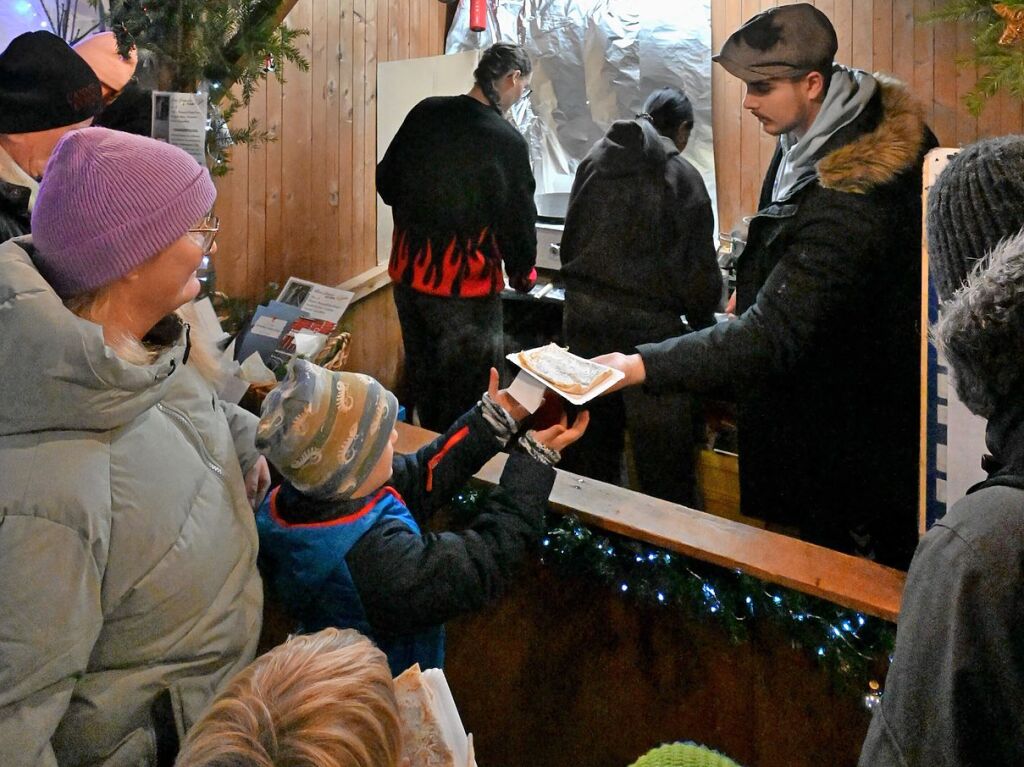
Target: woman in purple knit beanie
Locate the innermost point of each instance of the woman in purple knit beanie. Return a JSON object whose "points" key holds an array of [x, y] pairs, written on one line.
{"points": [[127, 540]]}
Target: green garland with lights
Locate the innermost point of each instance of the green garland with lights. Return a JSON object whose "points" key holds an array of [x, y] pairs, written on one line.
{"points": [[854, 647], [998, 47], [213, 44]]}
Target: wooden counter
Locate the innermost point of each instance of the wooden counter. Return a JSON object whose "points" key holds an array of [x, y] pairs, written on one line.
{"points": [[564, 670], [845, 580]]}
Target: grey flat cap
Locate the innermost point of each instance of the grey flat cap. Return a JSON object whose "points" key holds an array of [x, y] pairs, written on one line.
{"points": [[788, 41]]}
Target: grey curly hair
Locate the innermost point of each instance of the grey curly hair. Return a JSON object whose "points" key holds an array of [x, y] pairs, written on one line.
{"points": [[981, 329]]}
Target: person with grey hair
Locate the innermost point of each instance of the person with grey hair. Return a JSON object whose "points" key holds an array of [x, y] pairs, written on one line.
{"points": [[955, 691]]}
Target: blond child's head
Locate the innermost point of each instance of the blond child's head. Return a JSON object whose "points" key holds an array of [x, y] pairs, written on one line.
{"points": [[318, 700], [330, 433]]}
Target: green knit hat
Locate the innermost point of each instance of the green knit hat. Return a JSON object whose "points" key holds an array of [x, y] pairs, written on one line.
{"points": [[325, 430], [683, 755]]}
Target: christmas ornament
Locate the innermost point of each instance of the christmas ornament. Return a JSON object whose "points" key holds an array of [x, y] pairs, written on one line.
{"points": [[1014, 23], [1000, 60]]}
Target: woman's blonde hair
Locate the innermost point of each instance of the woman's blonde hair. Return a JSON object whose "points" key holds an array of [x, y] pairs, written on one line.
{"points": [[203, 355], [319, 700]]}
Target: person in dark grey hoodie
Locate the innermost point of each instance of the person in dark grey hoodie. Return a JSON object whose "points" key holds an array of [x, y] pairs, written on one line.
{"points": [[637, 253], [954, 695]]}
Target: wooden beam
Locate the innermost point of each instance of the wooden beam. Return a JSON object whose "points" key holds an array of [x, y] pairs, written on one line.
{"points": [[283, 10], [368, 282], [845, 580], [266, 9]]}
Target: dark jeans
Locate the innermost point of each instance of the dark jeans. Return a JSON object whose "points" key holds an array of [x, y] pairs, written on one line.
{"points": [[450, 346], [661, 429], [661, 426]]}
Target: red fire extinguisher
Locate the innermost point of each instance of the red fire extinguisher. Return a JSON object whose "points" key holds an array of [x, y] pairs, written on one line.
{"points": [[478, 15]]}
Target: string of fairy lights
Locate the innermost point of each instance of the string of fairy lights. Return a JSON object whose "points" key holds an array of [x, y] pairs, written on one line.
{"points": [[855, 648]]}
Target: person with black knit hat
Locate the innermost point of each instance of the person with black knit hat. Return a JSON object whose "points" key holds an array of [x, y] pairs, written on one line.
{"points": [[46, 90], [975, 203], [954, 694], [459, 180]]}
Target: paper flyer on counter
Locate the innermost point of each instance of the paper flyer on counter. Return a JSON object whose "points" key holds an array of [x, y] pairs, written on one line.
{"points": [[317, 302], [268, 328]]}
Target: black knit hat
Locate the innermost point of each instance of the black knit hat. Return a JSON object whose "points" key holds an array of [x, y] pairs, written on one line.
{"points": [[44, 84], [976, 201]]}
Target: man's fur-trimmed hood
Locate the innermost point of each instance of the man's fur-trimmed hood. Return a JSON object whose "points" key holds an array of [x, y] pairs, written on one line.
{"points": [[876, 158]]}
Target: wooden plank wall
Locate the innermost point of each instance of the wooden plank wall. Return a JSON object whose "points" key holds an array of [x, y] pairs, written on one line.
{"points": [[876, 35], [304, 205]]}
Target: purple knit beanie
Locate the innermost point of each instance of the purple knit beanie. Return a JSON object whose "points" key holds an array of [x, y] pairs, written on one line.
{"points": [[110, 201]]}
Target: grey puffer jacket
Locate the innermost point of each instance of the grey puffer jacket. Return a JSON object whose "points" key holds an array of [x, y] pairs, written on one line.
{"points": [[127, 546]]}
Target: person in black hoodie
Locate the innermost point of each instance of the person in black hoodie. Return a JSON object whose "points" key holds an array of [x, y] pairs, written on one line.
{"points": [[458, 178], [954, 694], [637, 253]]}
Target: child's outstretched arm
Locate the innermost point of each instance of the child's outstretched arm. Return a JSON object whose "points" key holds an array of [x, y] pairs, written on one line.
{"points": [[427, 478], [407, 581]]}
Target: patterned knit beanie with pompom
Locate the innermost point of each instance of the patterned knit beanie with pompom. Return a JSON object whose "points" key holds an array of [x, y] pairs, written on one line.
{"points": [[326, 430]]}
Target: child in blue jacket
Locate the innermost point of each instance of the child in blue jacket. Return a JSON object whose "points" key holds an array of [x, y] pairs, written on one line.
{"points": [[340, 541]]}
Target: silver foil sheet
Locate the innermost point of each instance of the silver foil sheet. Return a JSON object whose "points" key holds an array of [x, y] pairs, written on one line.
{"points": [[595, 61]]}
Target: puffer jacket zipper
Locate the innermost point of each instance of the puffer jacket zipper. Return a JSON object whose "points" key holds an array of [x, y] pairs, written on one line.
{"points": [[192, 434]]}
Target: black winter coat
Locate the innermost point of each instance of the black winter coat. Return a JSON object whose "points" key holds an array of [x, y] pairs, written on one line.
{"points": [[637, 251], [823, 360]]}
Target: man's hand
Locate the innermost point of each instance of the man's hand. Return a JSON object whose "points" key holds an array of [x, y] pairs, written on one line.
{"points": [[561, 435], [257, 482], [506, 400], [630, 364]]}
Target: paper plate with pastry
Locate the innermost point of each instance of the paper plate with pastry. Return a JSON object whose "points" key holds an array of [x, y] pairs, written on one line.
{"points": [[576, 379]]}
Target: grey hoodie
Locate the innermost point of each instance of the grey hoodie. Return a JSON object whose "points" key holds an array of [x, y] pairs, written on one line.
{"points": [[849, 92]]}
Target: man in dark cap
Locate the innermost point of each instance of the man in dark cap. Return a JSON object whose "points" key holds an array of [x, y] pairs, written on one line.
{"points": [[46, 90], [955, 691], [823, 357]]}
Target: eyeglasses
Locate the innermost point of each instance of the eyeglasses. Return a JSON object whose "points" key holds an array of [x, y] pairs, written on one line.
{"points": [[205, 232]]}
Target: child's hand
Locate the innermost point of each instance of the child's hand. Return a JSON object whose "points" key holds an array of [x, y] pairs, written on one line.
{"points": [[257, 482], [561, 435], [506, 400]]}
